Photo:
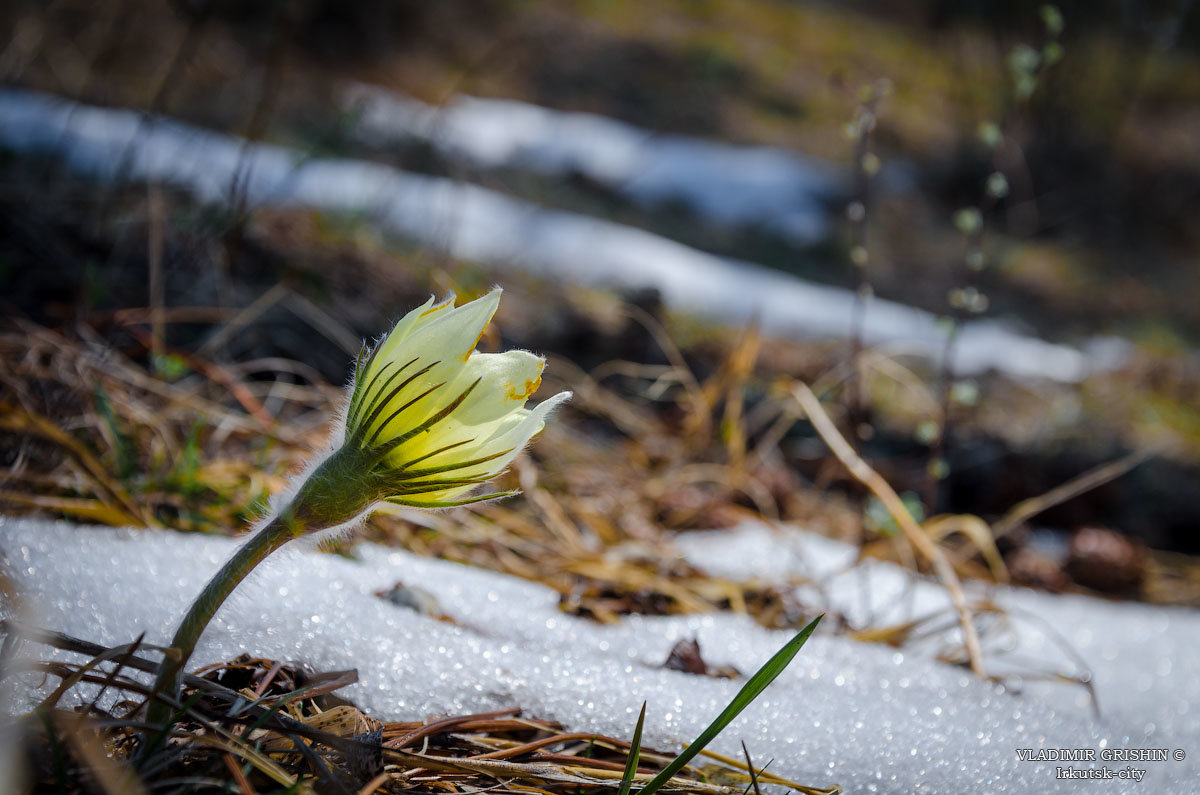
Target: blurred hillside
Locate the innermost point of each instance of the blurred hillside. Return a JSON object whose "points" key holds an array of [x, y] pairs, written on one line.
{"points": [[1032, 164], [1101, 161]]}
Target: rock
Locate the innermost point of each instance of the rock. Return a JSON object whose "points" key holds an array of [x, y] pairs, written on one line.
{"points": [[1106, 561], [1027, 567]]}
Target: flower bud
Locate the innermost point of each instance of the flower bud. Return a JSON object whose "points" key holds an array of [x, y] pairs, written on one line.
{"points": [[429, 418]]}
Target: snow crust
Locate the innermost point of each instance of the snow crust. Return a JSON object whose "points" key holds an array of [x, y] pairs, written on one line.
{"points": [[1136, 656], [866, 716], [474, 223]]}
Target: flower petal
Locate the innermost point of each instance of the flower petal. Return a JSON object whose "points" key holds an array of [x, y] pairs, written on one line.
{"points": [[507, 438], [517, 435], [405, 325], [439, 342], [453, 334], [439, 417], [506, 381], [494, 407]]}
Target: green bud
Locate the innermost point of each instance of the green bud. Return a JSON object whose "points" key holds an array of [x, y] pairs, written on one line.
{"points": [[997, 185], [927, 432], [990, 134], [968, 220], [965, 393], [1052, 18]]}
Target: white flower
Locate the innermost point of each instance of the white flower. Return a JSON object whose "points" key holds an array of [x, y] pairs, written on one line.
{"points": [[429, 418]]}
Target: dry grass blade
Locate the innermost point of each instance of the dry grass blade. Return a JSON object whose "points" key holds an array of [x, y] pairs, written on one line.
{"points": [[247, 315], [893, 635], [23, 420], [751, 770], [699, 419], [89, 510], [123, 652], [324, 322], [218, 375], [729, 383], [884, 492], [259, 745], [341, 721], [228, 743], [374, 784], [239, 777], [1027, 509], [111, 776], [766, 777], [979, 533]]}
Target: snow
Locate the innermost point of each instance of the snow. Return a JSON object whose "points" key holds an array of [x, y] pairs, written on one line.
{"points": [[474, 223], [869, 717], [1136, 656], [782, 190]]}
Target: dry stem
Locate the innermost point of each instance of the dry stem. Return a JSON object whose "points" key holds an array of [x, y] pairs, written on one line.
{"points": [[882, 490]]}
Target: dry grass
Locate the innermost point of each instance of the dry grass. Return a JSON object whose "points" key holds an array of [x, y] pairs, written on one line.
{"points": [[257, 725], [159, 436], [91, 435]]}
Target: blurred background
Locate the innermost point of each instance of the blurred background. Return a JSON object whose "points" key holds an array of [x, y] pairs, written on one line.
{"points": [[970, 227]]}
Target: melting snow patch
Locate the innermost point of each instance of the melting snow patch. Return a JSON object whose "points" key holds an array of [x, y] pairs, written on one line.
{"points": [[729, 184], [471, 222], [1139, 658], [866, 716]]}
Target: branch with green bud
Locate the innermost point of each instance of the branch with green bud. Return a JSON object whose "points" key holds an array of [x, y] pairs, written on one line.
{"points": [[427, 421]]}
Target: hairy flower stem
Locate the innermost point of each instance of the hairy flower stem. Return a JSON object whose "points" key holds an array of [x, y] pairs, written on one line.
{"points": [[338, 490], [272, 536]]}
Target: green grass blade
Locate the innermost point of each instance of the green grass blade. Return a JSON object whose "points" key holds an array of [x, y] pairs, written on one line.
{"points": [[635, 753], [123, 448], [758, 683]]}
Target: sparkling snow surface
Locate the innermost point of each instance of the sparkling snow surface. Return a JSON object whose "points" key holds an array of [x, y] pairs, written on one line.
{"points": [[866, 716], [474, 223]]}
